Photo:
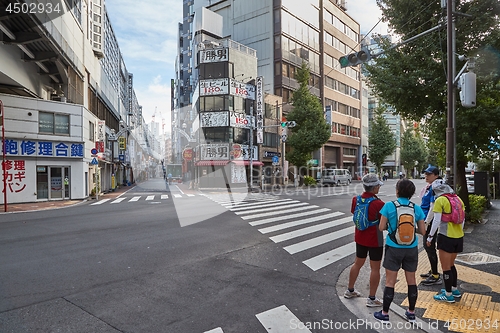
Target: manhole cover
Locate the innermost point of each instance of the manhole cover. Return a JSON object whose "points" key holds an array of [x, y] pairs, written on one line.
{"points": [[477, 258], [475, 287]]}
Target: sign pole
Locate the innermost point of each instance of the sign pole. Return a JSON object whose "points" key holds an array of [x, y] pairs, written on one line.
{"points": [[4, 166]]}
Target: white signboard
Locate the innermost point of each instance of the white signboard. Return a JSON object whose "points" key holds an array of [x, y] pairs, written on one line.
{"points": [[240, 120], [259, 82], [214, 55], [238, 174], [214, 119], [101, 130], [215, 151], [241, 89], [245, 153], [214, 87]]}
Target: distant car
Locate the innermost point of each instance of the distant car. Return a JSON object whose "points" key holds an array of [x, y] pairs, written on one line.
{"points": [[335, 177], [470, 183], [422, 175]]}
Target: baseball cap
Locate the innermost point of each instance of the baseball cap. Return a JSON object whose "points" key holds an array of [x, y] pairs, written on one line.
{"points": [[440, 187], [371, 179], [432, 169]]}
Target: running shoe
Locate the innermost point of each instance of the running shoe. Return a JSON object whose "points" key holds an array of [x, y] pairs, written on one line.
{"points": [[455, 293], [380, 316], [351, 294], [426, 275], [432, 280], [372, 303], [443, 298], [410, 316]]}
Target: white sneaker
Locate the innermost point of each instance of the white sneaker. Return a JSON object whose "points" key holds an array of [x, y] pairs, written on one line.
{"points": [[351, 294], [373, 303]]}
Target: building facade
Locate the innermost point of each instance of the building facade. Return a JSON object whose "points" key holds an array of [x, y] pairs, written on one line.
{"points": [[65, 92]]}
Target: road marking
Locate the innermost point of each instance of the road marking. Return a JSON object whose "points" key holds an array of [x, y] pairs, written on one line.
{"points": [[330, 257], [164, 196], [317, 241], [260, 204], [294, 223], [118, 200], [272, 209], [285, 211], [150, 197], [281, 320], [134, 199], [100, 202], [177, 196], [215, 330], [190, 195], [308, 230]]}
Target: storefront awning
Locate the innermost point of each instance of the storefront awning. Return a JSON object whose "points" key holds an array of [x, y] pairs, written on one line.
{"points": [[238, 162], [210, 163]]}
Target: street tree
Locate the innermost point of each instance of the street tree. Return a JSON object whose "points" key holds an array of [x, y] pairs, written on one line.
{"points": [[412, 77], [311, 130], [382, 142], [413, 150]]}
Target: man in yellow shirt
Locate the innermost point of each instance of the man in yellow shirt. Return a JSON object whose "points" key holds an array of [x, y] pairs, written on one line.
{"points": [[449, 217]]}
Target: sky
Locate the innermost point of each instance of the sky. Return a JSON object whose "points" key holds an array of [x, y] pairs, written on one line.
{"points": [[146, 31]]}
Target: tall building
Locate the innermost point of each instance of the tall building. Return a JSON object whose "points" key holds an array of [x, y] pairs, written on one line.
{"points": [[284, 34]]}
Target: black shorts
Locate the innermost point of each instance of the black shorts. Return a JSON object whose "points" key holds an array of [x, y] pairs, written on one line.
{"points": [[396, 258], [450, 245], [375, 252]]}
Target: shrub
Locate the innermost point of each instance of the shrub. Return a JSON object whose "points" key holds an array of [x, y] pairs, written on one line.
{"points": [[308, 180], [477, 206]]}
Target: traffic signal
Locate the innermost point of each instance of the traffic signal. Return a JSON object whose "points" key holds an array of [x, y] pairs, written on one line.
{"points": [[355, 59], [288, 124]]}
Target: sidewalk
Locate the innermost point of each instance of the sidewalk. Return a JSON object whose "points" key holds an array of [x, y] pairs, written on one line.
{"points": [[478, 279]]}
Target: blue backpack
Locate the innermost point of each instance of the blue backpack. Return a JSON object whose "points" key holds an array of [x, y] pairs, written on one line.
{"points": [[360, 215]]}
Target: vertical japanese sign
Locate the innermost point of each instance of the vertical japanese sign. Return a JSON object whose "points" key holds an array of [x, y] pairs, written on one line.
{"points": [[101, 130], [4, 167], [259, 82], [328, 116]]}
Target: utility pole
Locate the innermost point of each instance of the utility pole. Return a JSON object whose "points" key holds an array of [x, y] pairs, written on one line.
{"points": [[450, 129]]}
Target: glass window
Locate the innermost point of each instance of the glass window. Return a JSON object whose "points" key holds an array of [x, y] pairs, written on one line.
{"points": [[216, 134], [51, 123], [240, 135]]}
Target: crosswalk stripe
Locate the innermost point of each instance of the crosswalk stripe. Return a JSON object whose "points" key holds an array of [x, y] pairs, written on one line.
{"points": [[299, 222], [317, 241], [330, 257], [177, 196], [285, 211], [150, 197], [100, 202], [309, 230], [134, 199], [272, 209], [215, 330], [164, 196], [281, 320], [260, 204], [247, 202], [118, 200], [190, 195], [287, 217]]}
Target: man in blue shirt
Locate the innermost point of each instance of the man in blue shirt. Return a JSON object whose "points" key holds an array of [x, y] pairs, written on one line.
{"points": [[399, 255], [433, 276]]}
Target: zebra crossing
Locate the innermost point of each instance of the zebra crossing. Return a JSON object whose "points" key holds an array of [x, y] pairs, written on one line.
{"points": [[137, 198], [296, 223], [279, 319]]}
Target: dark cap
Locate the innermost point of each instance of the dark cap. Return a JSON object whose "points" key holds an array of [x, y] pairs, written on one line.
{"points": [[432, 169]]}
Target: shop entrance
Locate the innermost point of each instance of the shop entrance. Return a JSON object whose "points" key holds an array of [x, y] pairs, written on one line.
{"points": [[53, 182]]}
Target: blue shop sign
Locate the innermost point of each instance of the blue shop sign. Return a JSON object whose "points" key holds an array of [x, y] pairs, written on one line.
{"points": [[31, 148]]}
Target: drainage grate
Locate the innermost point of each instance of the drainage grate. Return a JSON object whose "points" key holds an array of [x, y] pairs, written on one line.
{"points": [[477, 258]]}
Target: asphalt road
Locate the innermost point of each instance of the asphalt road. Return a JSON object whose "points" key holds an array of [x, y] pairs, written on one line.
{"points": [[160, 260]]}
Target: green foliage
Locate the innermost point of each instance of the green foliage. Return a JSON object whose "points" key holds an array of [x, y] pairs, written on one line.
{"points": [[381, 139], [412, 77], [308, 181], [413, 150], [477, 205], [311, 131]]}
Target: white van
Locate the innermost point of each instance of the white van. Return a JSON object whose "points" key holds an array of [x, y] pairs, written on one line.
{"points": [[335, 177]]}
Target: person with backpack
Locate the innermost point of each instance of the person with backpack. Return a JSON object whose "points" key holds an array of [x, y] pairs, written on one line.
{"points": [[400, 218], [432, 277], [368, 238], [449, 217]]}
